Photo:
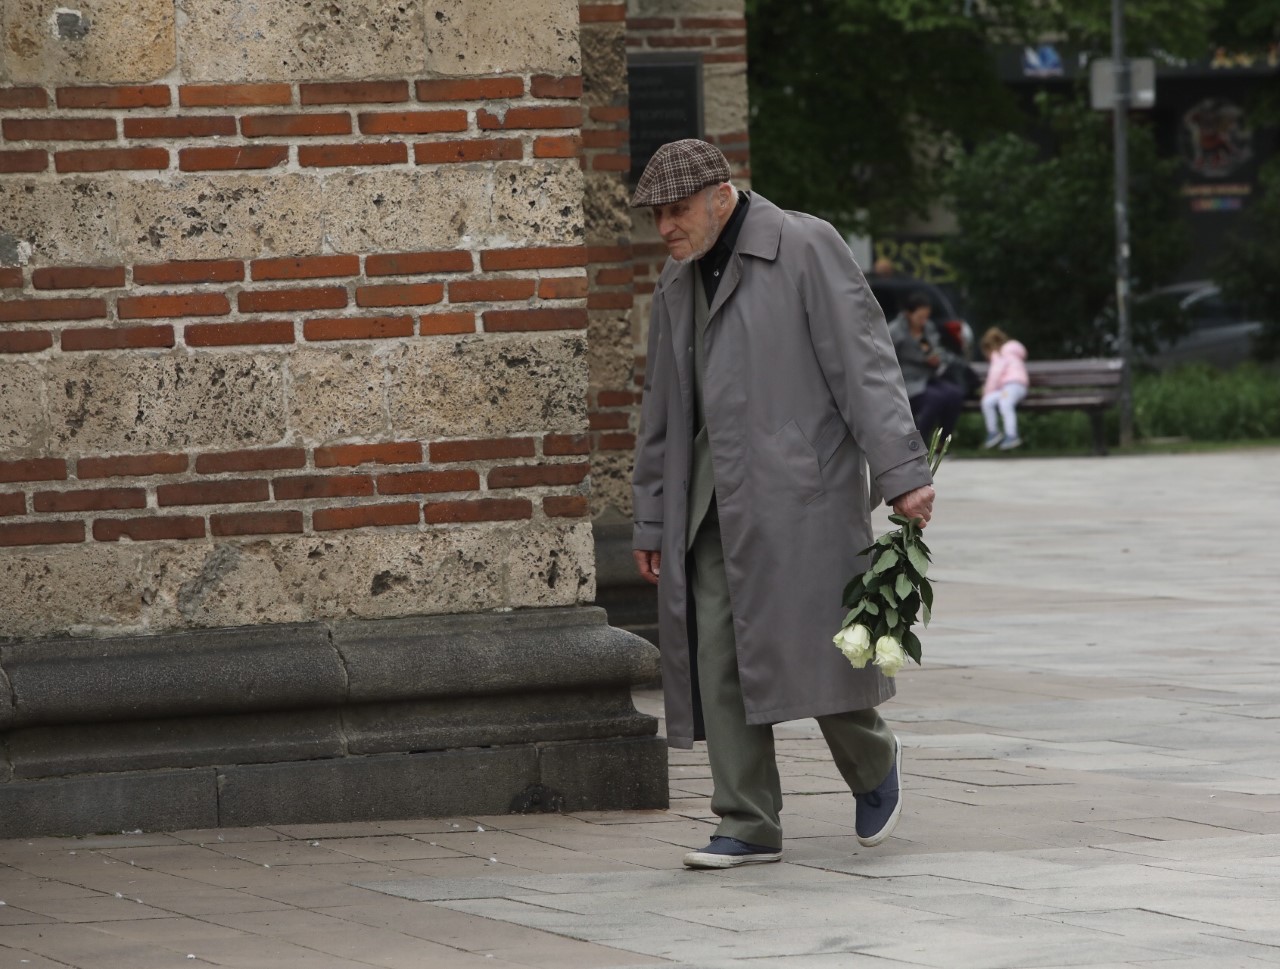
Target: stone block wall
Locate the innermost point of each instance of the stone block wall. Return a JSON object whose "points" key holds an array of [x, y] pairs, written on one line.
{"points": [[294, 315], [612, 398]]}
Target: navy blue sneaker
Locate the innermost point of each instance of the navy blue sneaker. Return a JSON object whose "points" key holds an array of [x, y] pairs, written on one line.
{"points": [[878, 810], [729, 852]]}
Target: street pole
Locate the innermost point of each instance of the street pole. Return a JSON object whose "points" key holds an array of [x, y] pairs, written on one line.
{"points": [[1120, 116]]}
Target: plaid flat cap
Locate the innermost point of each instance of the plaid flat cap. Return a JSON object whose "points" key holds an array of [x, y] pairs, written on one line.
{"points": [[677, 170]]}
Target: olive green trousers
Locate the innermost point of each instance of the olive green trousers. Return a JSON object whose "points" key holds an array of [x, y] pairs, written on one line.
{"points": [[744, 769]]}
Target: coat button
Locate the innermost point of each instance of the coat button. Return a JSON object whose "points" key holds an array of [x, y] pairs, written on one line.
{"points": [[914, 445]]}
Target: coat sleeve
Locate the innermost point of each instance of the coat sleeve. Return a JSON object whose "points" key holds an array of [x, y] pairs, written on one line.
{"points": [[651, 443], [857, 358]]}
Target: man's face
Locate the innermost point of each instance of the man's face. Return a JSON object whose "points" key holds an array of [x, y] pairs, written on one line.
{"points": [[691, 226]]}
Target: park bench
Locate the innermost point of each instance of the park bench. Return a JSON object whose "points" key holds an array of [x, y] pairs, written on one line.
{"points": [[1090, 385]]}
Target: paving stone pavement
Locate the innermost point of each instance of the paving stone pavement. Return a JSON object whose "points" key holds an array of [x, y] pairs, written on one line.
{"points": [[1091, 773]]}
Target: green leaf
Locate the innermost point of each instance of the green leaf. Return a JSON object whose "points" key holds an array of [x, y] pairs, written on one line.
{"points": [[919, 561], [891, 617], [927, 616], [899, 519], [887, 538], [926, 592], [854, 613], [849, 588], [911, 644], [886, 561], [885, 592], [903, 585], [871, 607]]}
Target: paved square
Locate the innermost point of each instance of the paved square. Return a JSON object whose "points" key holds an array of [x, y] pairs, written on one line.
{"points": [[1091, 770]]}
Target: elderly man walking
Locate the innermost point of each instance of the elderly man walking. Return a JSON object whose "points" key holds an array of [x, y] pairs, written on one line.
{"points": [[771, 387]]}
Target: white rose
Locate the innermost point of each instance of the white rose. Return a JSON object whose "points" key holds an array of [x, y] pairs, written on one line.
{"points": [[855, 642], [889, 655]]}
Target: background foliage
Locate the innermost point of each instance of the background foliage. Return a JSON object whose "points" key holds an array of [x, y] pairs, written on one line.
{"points": [[1037, 262], [857, 105]]}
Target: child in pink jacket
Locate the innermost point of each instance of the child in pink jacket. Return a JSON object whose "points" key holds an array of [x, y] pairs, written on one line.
{"points": [[1005, 388]]}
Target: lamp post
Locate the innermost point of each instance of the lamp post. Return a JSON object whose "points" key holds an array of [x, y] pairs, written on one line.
{"points": [[1120, 118]]}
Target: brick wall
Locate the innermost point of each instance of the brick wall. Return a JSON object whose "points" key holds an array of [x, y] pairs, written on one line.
{"points": [[287, 336]]}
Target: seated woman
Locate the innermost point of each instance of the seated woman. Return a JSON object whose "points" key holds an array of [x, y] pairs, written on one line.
{"points": [[935, 402]]}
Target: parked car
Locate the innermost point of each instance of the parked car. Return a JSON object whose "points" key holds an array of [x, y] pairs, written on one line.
{"points": [[1213, 329], [889, 291]]}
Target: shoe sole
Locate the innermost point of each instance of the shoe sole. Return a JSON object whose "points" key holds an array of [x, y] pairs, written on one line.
{"points": [[883, 834], [699, 859]]}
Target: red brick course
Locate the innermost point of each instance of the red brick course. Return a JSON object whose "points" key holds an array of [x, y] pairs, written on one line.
{"points": [[193, 271], [332, 156], [112, 160], [89, 499], [354, 92], [482, 510], [413, 122], [294, 125], [232, 158], [42, 533], [366, 516], [154, 528], [322, 486], [238, 334], [23, 97], [358, 328], [180, 304], [415, 263], [226, 95], [400, 294], [444, 452], [472, 150], [532, 476], [39, 310], [480, 89], [256, 523], [512, 321], [151, 96], [351, 455], [427, 482], [25, 341], [131, 466], [34, 469], [550, 257], [197, 126], [56, 129], [264, 459], [214, 492], [306, 267], [12, 162], [278, 300], [77, 277], [117, 338]]}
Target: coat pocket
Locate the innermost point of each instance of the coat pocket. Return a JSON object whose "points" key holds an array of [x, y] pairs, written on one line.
{"points": [[796, 470]]}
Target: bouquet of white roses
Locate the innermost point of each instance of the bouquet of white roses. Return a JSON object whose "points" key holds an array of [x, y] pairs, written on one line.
{"points": [[885, 600]]}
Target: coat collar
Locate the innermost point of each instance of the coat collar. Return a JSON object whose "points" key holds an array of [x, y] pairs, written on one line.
{"points": [[759, 236]]}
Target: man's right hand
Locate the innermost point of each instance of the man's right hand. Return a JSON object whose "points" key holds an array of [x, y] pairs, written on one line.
{"points": [[649, 564]]}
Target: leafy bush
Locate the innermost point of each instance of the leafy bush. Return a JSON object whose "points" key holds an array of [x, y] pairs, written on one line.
{"points": [[1036, 248]]}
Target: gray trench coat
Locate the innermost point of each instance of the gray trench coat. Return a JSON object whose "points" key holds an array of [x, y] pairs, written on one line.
{"points": [[802, 393]]}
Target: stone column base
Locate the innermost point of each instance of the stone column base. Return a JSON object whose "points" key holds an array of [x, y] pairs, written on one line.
{"points": [[324, 722]]}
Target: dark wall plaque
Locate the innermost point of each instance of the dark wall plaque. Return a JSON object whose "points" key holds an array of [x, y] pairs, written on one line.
{"points": [[666, 103]]}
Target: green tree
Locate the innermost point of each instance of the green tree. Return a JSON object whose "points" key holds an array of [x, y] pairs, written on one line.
{"points": [[858, 105], [1249, 270], [1036, 245]]}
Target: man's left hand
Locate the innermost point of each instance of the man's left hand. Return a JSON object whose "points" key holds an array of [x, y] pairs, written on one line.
{"points": [[916, 504]]}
